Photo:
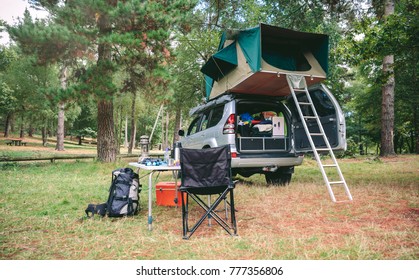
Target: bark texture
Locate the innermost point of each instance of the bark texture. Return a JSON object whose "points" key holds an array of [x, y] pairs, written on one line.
{"points": [[387, 105]]}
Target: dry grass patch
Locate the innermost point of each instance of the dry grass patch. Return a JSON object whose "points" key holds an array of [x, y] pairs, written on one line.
{"points": [[41, 207]]}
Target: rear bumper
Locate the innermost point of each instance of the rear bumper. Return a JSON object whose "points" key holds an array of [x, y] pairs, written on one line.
{"points": [[262, 162]]}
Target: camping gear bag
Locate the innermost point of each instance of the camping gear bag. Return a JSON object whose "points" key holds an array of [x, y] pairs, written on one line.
{"points": [[123, 197]]}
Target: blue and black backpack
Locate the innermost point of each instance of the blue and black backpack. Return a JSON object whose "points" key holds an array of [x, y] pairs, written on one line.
{"points": [[123, 197]]}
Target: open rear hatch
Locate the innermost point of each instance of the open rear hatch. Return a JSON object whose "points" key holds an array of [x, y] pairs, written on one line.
{"points": [[331, 118], [261, 126]]}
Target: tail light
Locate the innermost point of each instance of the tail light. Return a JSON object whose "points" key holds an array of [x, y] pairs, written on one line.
{"points": [[230, 125]]}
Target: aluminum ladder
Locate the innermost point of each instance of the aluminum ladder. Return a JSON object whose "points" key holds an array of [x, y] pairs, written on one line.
{"points": [[298, 85]]}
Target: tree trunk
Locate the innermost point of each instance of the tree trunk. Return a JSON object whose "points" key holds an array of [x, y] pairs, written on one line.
{"points": [[60, 127], [7, 125], [387, 105], [106, 141], [167, 130], [126, 133], [61, 110], [118, 128], [106, 146], [22, 131], [31, 130], [22, 128], [44, 136], [177, 124], [133, 124], [132, 140]]}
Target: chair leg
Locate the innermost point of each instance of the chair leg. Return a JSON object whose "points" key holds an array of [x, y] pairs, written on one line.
{"points": [[229, 225], [210, 211], [185, 215], [233, 212], [226, 207], [209, 216]]}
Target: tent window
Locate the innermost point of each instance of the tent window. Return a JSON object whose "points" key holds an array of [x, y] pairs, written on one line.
{"points": [[288, 57]]}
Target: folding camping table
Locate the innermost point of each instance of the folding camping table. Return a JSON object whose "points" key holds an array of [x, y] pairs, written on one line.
{"points": [[152, 170]]}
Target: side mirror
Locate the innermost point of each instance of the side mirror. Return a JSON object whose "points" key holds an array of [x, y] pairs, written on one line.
{"points": [[181, 132]]}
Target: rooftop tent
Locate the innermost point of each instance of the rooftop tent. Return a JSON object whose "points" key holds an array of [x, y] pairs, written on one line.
{"points": [[221, 63], [252, 61]]}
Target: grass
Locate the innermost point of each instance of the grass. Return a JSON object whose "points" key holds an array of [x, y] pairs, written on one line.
{"points": [[34, 148], [42, 216]]}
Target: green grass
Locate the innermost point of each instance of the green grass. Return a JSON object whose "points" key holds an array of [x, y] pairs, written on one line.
{"points": [[42, 216], [35, 149]]}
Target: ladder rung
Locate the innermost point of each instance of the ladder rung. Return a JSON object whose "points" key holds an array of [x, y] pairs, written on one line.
{"points": [[343, 201], [317, 134], [293, 81], [329, 165], [336, 182]]}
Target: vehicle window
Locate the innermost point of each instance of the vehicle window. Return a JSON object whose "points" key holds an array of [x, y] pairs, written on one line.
{"points": [[204, 121], [323, 104], [193, 128], [217, 114]]}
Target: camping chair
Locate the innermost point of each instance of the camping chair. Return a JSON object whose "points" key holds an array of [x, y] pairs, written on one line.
{"points": [[207, 172]]}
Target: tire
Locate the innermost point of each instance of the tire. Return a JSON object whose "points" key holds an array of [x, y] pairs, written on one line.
{"points": [[278, 178]]}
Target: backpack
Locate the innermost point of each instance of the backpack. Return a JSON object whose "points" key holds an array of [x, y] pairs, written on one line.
{"points": [[123, 197]]}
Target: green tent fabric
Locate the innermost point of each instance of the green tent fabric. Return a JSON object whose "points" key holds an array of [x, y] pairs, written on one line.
{"points": [[249, 41], [221, 63], [285, 48], [208, 85], [321, 53], [247, 60]]}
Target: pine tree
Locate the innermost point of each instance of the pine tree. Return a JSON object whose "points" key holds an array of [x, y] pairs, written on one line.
{"points": [[111, 34], [51, 44]]}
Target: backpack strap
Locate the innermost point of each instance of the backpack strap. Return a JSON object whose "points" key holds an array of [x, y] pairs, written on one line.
{"points": [[130, 206], [112, 188], [99, 209]]}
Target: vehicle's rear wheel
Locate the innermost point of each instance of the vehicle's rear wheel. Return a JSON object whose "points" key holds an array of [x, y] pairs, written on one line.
{"points": [[278, 178]]}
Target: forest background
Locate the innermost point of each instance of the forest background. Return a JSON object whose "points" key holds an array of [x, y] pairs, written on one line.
{"points": [[109, 69]]}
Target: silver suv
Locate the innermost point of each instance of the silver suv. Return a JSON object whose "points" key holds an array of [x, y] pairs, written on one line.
{"points": [[265, 132]]}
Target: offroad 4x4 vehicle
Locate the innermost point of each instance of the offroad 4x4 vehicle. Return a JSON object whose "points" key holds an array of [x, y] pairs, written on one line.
{"points": [[266, 134], [250, 105]]}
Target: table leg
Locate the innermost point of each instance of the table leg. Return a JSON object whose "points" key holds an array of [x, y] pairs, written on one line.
{"points": [[174, 174], [150, 193]]}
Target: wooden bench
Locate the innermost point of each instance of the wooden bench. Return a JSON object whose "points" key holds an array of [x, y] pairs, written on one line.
{"points": [[16, 142]]}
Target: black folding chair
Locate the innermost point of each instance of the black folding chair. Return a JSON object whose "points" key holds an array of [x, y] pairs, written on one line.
{"points": [[207, 172]]}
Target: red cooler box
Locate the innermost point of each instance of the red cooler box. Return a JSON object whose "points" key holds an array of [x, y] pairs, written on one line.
{"points": [[166, 194]]}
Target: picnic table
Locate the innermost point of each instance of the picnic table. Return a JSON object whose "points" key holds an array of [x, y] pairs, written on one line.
{"points": [[15, 142]]}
